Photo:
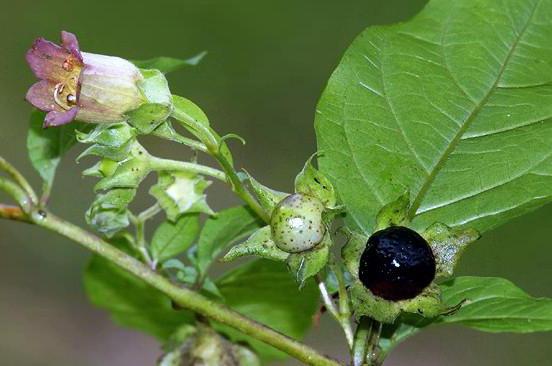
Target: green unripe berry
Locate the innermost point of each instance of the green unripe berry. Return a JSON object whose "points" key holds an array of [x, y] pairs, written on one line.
{"points": [[296, 223]]}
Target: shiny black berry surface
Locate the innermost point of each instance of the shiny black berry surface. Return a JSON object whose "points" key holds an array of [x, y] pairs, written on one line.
{"points": [[397, 264]]}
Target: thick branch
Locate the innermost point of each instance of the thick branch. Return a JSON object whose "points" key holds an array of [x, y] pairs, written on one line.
{"points": [[184, 297]]}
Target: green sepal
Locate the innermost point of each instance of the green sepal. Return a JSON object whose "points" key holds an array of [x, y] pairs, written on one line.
{"points": [[307, 264], [267, 197], [260, 244], [155, 87], [148, 117], [108, 213], [394, 213], [114, 153], [103, 168], [181, 192], [352, 250], [447, 245], [128, 173], [112, 135], [427, 304], [310, 181]]}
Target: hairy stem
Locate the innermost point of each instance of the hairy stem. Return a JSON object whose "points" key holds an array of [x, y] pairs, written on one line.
{"points": [[184, 297]]}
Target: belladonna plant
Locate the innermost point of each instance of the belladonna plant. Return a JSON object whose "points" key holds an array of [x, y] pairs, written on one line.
{"points": [[430, 133]]}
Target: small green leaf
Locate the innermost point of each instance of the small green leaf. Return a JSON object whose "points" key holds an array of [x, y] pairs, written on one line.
{"points": [[307, 264], [259, 244], [148, 117], [192, 118], [46, 146], [170, 239], [108, 213], [169, 64], [264, 291], [268, 198], [131, 302], [112, 135], [181, 192], [118, 153], [185, 109], [310, 181], [496, 305], [221, 231], [130, 172]]}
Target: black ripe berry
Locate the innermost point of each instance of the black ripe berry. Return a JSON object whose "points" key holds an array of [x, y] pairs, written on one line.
{"points": [[397, 264]]}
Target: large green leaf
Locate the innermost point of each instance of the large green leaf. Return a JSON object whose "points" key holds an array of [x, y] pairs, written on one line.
{"points": [[496, 305], [173, 238], [265, 291], [219, 232], [131, 302], [46, 146], [489, 304], [453, 106]]}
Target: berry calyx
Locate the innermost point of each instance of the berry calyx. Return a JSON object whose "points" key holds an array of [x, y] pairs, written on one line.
{"points": [[397, 264], [296, 223]]}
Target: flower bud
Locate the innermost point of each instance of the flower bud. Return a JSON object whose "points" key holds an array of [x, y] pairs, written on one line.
{"points": [[78, 85]]}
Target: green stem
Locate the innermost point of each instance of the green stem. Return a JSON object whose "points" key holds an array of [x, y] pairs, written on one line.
{"points": [[239, 189], [168, 164], [17, 193], [372, 356], [196, 145], [360, 349], [139, 223], [19, 179], [344, 303], [213, 142], [184, 297], [342, 319]]}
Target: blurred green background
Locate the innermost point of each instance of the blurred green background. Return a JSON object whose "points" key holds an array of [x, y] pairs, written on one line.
{"points": [[267, 65]]}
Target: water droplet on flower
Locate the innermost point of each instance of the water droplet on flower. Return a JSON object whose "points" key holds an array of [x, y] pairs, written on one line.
{"points": [[71, 99]]}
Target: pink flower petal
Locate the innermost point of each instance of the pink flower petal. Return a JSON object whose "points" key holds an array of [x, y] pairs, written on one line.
{"points": [[46, 60], [57, 118], [41, 95], [70, 42]]}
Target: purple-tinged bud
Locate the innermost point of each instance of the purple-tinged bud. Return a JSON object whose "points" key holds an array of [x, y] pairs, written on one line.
{"points": [[78, 85]]}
